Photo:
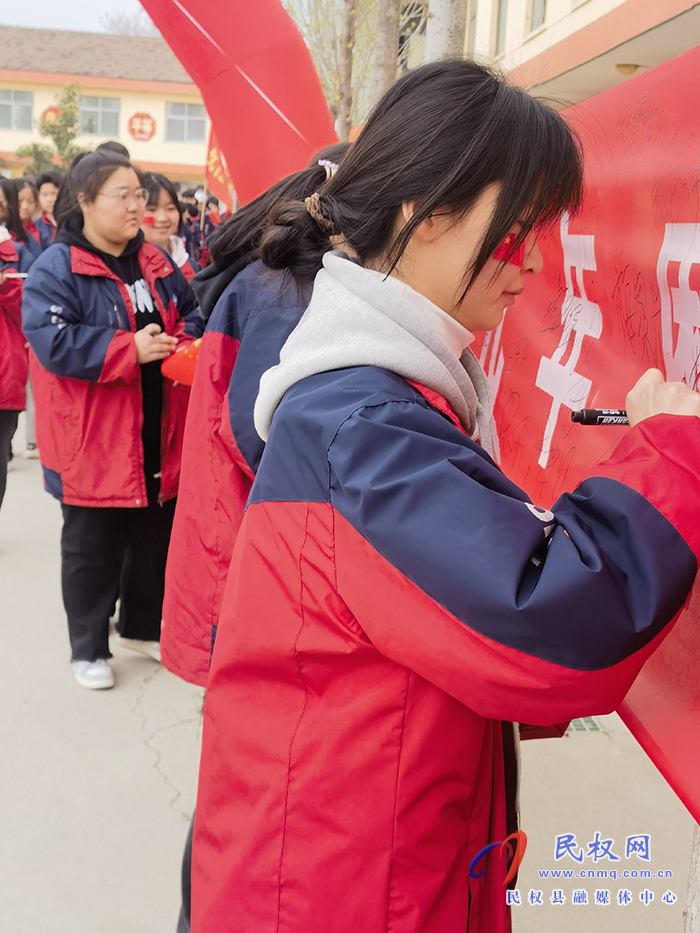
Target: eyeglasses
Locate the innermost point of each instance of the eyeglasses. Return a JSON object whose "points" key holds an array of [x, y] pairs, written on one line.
{"points": [[125, 196]]}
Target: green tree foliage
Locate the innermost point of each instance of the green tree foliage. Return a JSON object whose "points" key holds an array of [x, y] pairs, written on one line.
{"points": [[61, 128], [40, 155]]}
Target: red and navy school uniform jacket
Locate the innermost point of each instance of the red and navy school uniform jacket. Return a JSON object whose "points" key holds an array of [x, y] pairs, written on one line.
{"points": [[221, 452], [190, 269], [47, 231], [13, 351], [33, 247], [392, 597], [79, 321], [27, 252]]}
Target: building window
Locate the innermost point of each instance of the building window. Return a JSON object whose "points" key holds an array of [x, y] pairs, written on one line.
{"points": [[185, 123], [16, 110], [501, 16], [538, 11], [471, 27], [99, 116]]}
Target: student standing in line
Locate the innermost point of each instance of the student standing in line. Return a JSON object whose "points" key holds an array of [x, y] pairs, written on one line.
{"points": [[13, 351], [191, 232], [162, 222], [394, 602], [250, 311], [17, 258], [101, 310], [10, 218], [28, 203], [47, 186]]}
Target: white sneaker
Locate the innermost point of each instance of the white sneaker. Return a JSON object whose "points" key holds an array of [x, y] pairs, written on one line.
{"points": [[150, 648], [95, 675], [31, 452]]}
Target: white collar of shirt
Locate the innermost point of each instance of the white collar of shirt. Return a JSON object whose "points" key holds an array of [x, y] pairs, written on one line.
{"points": [[178, 251], [454, 334]]}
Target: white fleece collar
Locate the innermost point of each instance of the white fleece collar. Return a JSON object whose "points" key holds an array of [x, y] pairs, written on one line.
{"points": [[358, 317], [457, 337]]}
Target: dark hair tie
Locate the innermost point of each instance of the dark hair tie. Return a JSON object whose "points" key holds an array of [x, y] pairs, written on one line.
{"points": [[313, 208]]}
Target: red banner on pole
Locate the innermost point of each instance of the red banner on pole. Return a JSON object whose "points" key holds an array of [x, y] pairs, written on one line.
{"points": [[620, 292], [216, 176], [258, 82]]}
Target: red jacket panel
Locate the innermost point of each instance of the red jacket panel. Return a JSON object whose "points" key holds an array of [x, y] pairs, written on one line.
{"points": [[214, 487], [221, 452], [13, 350]]}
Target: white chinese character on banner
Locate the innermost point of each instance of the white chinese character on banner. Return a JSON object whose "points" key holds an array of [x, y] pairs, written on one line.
{"points": [[680, 305], [492, 359], [581, 318]]}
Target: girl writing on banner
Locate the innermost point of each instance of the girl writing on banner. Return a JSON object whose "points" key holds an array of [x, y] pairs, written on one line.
{"points": [[394, 603]]}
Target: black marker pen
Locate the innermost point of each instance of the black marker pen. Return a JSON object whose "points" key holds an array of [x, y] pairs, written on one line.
{"points": [[600, 416]]}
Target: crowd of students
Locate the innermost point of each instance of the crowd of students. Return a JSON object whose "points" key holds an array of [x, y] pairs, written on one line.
{"points": [[320, 524]]}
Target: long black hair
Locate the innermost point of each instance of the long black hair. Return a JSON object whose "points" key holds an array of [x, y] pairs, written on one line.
{"points": [[437, 138], [86, 177], [12, 222], [234, 244], [154, 183]]}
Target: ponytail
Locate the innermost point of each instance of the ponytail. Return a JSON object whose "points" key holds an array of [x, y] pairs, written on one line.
{"points": [[237, 242], [439, 136], [239, 237]]}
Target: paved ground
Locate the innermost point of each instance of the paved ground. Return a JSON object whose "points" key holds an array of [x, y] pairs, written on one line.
{"points": [[97, 788], [600, 782]]}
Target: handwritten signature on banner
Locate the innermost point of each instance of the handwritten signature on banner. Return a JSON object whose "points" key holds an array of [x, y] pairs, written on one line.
{"points": [[619, 293]]}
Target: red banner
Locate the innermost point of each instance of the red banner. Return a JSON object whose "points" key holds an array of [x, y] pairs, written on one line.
{"points": [[620, 292], [258, 83], [216, 176]]}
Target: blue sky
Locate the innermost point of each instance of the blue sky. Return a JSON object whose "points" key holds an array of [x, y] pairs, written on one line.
{"points": [[83, 15]]}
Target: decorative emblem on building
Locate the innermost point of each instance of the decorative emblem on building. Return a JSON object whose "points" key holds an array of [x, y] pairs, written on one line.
{"points": [[142, 127]]}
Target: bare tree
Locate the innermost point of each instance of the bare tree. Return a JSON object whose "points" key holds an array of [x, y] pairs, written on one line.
{"points": [[340, 36], [357, 47], [347, 46], [386, 48], [125, 24], [447, 26]]}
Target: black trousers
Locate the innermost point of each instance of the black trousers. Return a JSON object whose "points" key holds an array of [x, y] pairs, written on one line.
{"points": [[108, 553], [8, 426], [183, 923]]}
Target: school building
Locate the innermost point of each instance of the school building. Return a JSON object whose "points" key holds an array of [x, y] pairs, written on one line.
{"points": [[569, 50], [132, 89]]}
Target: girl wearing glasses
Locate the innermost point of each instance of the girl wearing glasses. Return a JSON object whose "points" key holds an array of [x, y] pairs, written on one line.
{"points": [[102, 309], [162, 222]]}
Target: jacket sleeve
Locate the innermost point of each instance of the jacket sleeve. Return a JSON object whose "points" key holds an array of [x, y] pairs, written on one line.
{"points": [[53, 322], [191, 323], [11, 301], [518, 612]]}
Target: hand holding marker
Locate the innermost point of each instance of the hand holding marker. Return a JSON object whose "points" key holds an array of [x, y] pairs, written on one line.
{"points": [[598, 416]]}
